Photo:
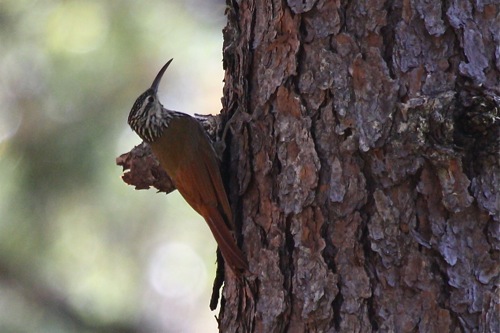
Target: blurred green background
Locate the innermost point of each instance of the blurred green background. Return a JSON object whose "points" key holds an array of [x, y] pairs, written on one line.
{"points": [[80, 251]]}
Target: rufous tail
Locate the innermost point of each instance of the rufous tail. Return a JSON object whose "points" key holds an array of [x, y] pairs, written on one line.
{"points": [[233, 256]]}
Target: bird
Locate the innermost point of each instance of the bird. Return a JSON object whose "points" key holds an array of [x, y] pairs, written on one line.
{"points": [[186, 153]]}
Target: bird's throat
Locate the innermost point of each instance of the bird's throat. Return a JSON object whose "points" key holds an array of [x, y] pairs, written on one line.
{"points": [[151, 126]]}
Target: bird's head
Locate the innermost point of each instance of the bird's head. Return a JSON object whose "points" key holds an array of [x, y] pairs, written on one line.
{"points": [[147, 106]]}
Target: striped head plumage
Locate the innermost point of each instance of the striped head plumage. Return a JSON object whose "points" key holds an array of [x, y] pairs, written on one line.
{"points": [[147, 116]]}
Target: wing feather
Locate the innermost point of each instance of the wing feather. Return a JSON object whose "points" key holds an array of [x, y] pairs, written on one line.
{"points": [[199, 181]]}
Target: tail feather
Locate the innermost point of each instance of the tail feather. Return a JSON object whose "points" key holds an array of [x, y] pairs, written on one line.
{"points": [[233, 256]]}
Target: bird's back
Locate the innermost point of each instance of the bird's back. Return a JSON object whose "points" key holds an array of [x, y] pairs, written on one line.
{"points": [[192, 165]]}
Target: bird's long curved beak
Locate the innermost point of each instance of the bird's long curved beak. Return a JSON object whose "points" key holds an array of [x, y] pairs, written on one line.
{"points": [[158, 77]]}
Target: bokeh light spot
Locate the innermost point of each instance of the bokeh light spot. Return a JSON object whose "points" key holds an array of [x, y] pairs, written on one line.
{"points": [[9, 124], [176, 271], [77, 27]]}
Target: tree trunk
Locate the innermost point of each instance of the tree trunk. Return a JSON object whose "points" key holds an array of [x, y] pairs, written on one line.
{"points": [[363, 163]]}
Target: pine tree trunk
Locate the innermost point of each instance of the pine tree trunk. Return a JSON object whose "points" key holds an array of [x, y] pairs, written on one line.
{"points": [[363, 162]]}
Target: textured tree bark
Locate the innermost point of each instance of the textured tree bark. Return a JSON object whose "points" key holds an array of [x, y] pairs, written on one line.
{"points": [[362, 165]]}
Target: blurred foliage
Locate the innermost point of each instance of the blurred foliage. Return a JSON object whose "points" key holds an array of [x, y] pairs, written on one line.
{"points": [[79, 250]]}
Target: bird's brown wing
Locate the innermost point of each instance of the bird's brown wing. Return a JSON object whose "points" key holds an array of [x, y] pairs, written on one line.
{"points": [[186, 154], [195, 182], [212, 166]]}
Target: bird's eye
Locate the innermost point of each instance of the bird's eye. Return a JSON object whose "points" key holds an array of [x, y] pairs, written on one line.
{"points": [[151, 99]]}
